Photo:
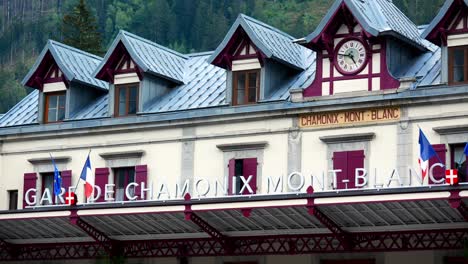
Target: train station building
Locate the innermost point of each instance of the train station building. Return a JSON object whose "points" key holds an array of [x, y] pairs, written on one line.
{"points": [[270, 149]]}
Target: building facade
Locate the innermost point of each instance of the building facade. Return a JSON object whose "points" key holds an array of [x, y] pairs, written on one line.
{"points": [[269, 149]]}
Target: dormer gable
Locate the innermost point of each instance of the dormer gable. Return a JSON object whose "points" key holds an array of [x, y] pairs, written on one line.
{"points": [[449, 30], [357, 42], [62, 75], [450, 20], [258, 59], [140, 72]]}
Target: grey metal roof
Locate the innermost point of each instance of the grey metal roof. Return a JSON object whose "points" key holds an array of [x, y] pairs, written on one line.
{"points": [[23, 113], [205, 88], [378, 18], [75, 64], [426, 68], [274, 43], [440, 15], [150, 57]]}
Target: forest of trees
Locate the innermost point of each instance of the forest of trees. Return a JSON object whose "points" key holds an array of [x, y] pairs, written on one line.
{"points": [[183, 25]]}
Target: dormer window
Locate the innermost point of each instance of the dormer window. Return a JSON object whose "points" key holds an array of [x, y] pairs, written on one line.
{"points": [[246, 87], [54, 110], [126, 99], [458, 65]]}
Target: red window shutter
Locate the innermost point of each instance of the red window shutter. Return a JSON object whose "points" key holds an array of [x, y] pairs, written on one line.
{"points": [[66, 179], [250, 168], [141, 175], [340, 162], [355, 161], [28, 183], [101, 179], [232, 171], [438, 172]]}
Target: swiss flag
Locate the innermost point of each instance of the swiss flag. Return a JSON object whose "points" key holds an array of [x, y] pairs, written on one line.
{"points": [[451, 177]]}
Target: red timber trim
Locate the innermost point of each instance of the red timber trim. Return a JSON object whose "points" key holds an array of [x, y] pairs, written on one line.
{"points": [[29, 182], [108, 71], [231, 51], [315, 89], [40, 76], [386, 80], [457, 203], [141, 175]]}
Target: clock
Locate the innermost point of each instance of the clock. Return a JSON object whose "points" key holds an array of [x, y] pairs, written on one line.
{"points": [[350, 56]]}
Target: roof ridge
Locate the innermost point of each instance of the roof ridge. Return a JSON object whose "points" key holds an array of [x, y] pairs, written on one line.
{"points": [[201, 53], [123, 32], [253, 20], [54, 42]]}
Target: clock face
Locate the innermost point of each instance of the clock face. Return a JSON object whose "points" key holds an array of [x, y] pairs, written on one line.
{"points": [[351, 56]]}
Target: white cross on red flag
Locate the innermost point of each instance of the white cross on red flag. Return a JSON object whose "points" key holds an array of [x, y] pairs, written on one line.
{"points": [[451, 177]]}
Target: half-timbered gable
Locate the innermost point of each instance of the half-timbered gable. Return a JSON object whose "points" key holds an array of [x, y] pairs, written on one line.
{"points": [[449, 30], [62, 76], [258, 59], [139, 72], [355, 43]]}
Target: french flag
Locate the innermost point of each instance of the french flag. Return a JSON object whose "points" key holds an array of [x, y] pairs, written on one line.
{"points": [[426, 152], [88, 176]]}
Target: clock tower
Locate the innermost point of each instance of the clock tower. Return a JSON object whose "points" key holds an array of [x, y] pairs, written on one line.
{"points": [[352, 48]]}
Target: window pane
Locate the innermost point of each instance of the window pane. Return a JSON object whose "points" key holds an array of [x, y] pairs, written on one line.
{"points": [[48, 183], [61, 114], [132, 104], [13, 203], [52, 101], [252, 87], [122, 101], [119, 184], [240, 88], [52, 115], [458, 74], [458, 57], [62, 101]]}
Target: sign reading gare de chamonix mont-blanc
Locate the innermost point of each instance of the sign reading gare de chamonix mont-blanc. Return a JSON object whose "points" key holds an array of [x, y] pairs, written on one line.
{"points": [[351, 140]]}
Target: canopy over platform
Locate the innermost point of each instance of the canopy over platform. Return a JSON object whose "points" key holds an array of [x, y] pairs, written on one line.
{"points": [[353, 221]]}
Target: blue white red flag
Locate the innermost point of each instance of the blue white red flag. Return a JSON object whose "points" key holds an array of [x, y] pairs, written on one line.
{"points": [[426, 152], [466, 149], [88, 176]]}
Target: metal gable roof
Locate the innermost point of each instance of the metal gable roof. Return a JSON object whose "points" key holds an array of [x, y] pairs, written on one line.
{"points": [[274, 43], [378, 18], [439, 17], [205, 87], [150, 57], [76, 65]]}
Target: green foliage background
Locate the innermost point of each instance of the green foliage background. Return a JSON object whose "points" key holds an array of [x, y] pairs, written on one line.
{"points": [[183, 25]]}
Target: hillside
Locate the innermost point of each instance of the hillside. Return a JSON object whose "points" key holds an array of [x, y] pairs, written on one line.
{"points": [[184, 25]]}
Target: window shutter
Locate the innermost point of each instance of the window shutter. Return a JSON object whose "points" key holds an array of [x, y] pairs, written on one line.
{"points": [[101, 179], [250, 168], [66, 179], [438, 172], [232, 171], [340, 162], [141, 175], [355, 161], [28, 183]]}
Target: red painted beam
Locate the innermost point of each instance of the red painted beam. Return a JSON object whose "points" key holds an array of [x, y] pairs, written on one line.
{"points": [[457, 203], [341, 235]]}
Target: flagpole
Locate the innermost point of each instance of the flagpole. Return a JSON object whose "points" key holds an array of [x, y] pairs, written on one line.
{"points": [[79, 178]]}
